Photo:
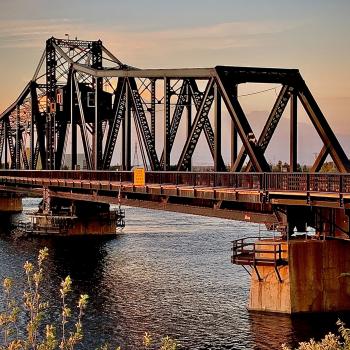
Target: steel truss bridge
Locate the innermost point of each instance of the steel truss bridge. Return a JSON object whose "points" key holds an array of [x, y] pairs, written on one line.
{"points": [[81, 94]]}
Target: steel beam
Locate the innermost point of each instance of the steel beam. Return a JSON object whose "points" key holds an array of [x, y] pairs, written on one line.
{"points": [[197, 73], [319, 161], [322, 127], [141, 119], [83, 128], [51, 86], [23, 152], [217, 128], [197, 127], [96, 55], [31, 140], [126, 133], [10, 143], [189, 119], [239, 74], [293, 148], [73, 126], [2, 139], [5, 142], [39, 124], [234, 135], [17, 142], [153, 110], [118, 116], [241, 122], [208, 130], [269, 127], [18, 101], [176, 119], [61, 142], [166, 106]]}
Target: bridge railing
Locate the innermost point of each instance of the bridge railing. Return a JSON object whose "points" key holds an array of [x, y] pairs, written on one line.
{"points": [[299, 182], [258, 251], [307, 182], [207, 179]]}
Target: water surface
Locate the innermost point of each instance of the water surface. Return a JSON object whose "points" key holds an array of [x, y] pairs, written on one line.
{"points": [[168, 274]]}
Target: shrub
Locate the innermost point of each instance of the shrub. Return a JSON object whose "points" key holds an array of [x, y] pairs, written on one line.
{"points": [[35, 333], [329, 342]]}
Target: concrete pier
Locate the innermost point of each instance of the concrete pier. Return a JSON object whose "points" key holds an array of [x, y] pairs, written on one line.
{"points": [[313, 280], [10, 203], [58, 217]]}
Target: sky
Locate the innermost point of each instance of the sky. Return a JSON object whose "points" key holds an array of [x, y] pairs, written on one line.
{"points": [[309, 35]]}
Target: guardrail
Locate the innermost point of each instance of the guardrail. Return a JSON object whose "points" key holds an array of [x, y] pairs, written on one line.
{"points": [[259, 251], [300, 182]]}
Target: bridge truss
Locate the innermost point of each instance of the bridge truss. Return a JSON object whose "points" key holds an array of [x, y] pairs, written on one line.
{"points": [[81, 91]]}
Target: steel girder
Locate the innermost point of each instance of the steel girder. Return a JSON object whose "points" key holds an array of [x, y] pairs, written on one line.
{"points": [[2, 137], [8, 136], [142, 124], [39, 120], [51, 86], [119, 114], [319, 161]]}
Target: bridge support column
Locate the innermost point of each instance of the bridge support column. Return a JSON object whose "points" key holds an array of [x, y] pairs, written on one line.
{"points": [[10, 203], [67, 218], [314, 279], [94, 218]]}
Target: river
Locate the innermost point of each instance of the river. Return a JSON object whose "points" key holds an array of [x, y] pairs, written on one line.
{"points": [[166, 273]]}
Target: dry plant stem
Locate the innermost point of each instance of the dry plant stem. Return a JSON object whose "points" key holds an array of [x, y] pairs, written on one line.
{"points": [[41, 336]]}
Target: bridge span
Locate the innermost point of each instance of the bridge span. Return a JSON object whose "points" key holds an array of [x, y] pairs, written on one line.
{"points": [[256, 197], [82, 95], [289, 274]]}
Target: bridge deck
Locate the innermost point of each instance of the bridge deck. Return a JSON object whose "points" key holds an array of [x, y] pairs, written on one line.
{"points": [[328, 190]]}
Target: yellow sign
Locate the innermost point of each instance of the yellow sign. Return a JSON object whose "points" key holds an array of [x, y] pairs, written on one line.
{"points": [[139, 177]]}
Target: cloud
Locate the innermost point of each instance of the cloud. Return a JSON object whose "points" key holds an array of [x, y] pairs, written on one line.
{"points": [[212, 37], [32, 33]]}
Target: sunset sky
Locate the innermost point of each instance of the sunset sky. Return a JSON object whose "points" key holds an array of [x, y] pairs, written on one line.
{"points": [[309, 35]]}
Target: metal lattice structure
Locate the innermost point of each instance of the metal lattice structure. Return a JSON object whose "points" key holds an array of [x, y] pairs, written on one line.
{"points": [[81, 92]]}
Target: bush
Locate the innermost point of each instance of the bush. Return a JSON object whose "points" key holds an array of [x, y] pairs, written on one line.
{"points": [[35, 333], [329, 342]]}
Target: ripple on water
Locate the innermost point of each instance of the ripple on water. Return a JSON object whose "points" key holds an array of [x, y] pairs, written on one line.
{"points": [[168, 273]]}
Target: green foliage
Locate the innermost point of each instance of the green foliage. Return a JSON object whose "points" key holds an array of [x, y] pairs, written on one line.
{"points": [[329, 342], [328, 167], [38, 335]]}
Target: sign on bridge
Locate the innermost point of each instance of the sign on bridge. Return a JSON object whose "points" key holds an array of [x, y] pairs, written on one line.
{"points": [[139, 177]]}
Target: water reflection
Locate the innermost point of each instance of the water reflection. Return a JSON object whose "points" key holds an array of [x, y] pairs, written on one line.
{"points": [[168, 274], [269, 331]]}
